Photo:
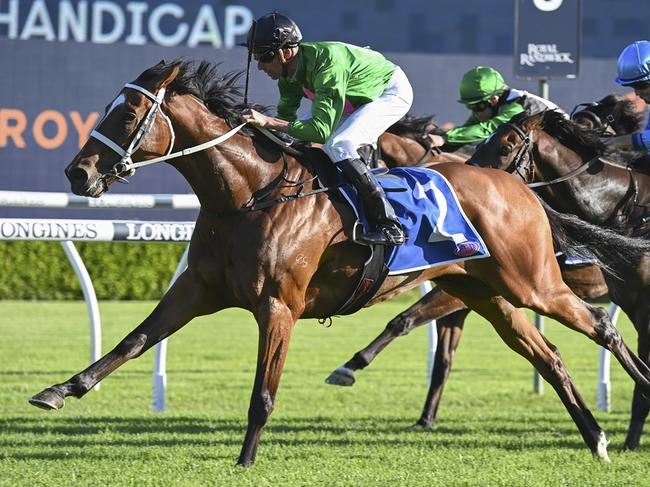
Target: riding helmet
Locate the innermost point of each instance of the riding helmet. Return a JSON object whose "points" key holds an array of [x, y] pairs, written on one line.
{"points": [[634, 63], [274, 31], [480, 84]]}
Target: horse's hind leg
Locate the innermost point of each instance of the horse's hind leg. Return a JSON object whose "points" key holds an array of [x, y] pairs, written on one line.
{"points": [[433, 305], [182, 302], [565, 307], [450, 329], [514, 327]]}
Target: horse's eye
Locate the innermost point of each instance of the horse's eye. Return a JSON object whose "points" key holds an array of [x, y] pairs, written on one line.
{"points": [[505, 150], [129, 117]]}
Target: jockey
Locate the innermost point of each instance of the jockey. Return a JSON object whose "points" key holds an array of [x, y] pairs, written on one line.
{"points": [[633, 71], [356, 95], [492, 103]]}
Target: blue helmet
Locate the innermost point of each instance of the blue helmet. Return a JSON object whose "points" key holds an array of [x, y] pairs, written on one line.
{"points": [[634, 63]]}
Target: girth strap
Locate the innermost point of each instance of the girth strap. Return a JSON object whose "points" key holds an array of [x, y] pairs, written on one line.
{"points": [[372, 277]]}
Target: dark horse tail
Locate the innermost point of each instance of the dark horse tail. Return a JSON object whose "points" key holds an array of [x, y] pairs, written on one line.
{"points": [[610, 250]]}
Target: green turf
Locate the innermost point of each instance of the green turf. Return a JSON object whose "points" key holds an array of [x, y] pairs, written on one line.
{"points": [[492, 430]]}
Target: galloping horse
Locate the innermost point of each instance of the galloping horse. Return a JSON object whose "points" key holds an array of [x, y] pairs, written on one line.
{"points": [[561, 158], [284, 256], [615, 114]]}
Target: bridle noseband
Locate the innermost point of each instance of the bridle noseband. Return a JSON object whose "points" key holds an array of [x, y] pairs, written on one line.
{"points": [[126, 164], [123, 165], [526, 149]]}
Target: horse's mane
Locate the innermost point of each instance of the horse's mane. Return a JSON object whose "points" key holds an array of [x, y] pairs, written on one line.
{"points": [[219, 91], [627, 119], [584, 141], [414, 128]]}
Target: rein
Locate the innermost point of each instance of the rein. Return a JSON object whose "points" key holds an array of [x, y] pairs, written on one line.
{"points": [[257, 201], [580, 169]]}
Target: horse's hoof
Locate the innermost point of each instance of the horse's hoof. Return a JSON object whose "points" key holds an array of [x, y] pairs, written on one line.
{"points": [[630, 447], [419, 426], [341, 377], [601, 448], [48, 399]]}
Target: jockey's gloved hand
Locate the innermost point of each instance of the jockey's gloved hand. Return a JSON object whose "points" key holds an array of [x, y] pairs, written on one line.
{"points": [[436, 140]]}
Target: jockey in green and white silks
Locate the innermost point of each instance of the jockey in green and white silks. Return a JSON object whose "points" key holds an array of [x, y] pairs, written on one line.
{"points": [[492, 103], [356, 94], [634, 72]]}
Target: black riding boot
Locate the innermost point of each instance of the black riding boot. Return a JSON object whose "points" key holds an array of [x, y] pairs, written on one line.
{"points": [[386, 229]]}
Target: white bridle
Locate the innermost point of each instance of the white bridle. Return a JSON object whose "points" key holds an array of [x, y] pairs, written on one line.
{"points": [[126, 164]]}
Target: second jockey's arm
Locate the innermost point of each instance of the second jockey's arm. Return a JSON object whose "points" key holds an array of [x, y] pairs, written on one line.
{"points": [[258, 119]]}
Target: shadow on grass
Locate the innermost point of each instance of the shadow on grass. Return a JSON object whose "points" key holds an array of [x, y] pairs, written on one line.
{"points": [[101, 437]]}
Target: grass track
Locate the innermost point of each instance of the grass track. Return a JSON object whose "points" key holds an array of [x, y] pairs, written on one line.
{"points": [[492, 429]]}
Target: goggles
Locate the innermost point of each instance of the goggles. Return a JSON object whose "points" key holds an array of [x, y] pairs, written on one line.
{"points": [[264, 56], [478, 107]]}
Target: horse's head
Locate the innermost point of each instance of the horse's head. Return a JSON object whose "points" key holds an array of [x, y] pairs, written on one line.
{"points": [[133, 128], [509, 147], [615, 114]]}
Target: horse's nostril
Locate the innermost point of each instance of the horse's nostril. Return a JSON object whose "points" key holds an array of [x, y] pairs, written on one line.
{"points": [[77, 175]]}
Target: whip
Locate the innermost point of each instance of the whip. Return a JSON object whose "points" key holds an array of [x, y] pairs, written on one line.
{"points": [[251, 43]]}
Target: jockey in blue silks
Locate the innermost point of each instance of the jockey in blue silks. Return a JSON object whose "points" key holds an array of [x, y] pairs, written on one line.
{"points": [[634, 71]]}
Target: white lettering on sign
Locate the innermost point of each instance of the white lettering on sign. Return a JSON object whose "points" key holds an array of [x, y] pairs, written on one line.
{"points": [[135, 23], [544, 53], [547, 5], [174, 232], [48, 230]]}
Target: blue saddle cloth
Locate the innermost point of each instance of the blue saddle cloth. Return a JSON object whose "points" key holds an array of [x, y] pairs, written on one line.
{"points": [[429, 211]]}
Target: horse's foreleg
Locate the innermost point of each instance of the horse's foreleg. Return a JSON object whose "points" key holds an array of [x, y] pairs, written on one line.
{"points": [[276, 323], [182, 302], [516, 330], [450, 329], [640, 404], [433, 305]]}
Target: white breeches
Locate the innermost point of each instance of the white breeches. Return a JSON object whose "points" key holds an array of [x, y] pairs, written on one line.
{"points": [[369, 121]]}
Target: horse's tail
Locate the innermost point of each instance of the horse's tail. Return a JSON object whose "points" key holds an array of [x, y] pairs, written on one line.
{"points": [[609, 249]]}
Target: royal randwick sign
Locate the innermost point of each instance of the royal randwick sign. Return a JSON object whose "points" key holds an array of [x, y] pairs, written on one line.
{"points": [[547, 38]]}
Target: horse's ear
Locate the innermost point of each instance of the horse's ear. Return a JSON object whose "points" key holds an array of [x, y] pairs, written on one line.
{"points": [[534, 120], [169, 76]]}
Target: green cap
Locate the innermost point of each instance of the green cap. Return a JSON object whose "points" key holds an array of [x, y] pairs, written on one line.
{"points": [[480, 84]]}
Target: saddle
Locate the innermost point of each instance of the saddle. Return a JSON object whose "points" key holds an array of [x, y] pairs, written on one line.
{"points": [[374, 270]]}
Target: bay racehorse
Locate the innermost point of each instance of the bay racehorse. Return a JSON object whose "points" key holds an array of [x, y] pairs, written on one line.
{"points": [[269, 241], [562, 159], [614, 114]]}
